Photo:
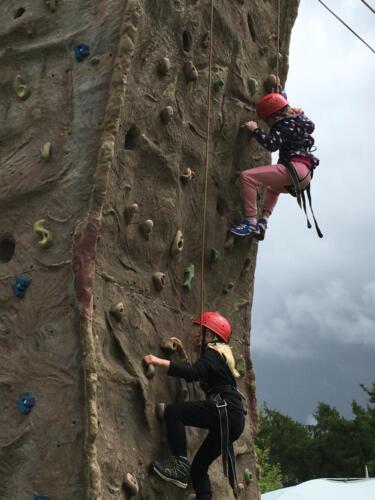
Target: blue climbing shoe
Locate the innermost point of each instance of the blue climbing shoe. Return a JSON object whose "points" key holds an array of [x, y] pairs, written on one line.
{"points": [[245, 229], [262, 226], [176, 471]]}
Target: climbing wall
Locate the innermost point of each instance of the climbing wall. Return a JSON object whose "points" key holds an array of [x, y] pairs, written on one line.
{"points": [[103, 112]]}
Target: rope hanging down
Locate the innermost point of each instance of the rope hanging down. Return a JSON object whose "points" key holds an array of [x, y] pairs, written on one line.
{"points": [[369, 6], [208, 132], [278, 39], [347, 26]]}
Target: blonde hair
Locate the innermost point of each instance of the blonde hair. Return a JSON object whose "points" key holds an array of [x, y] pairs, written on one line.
{"points": [[289, 111]]}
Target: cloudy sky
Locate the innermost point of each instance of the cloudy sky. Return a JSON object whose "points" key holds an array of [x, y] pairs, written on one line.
{"points": [[313, 335]]}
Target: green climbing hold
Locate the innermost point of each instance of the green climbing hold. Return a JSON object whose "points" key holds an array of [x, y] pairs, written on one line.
{"points": [[273, 60], [21, 88], [247, 476], [228, 287], [240, 366], [189, 276], [214, 255], [253, 86], [218, 85], [52, 5]]}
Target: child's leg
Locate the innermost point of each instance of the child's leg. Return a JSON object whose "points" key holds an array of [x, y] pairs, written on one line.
{"points": [[274, 178]]}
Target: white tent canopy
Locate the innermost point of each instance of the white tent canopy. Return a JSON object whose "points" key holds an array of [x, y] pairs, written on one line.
{"points": [[326, 489]]}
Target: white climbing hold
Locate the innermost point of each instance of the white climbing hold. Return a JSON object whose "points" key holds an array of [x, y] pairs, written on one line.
{"points": [[130, 212], [164, 66], [117, 311], [178, 244], [160, 409], [190, 71], [131, 484], [146, 228], [168, 346], [166, 115], [187, 176], [158, 280]]}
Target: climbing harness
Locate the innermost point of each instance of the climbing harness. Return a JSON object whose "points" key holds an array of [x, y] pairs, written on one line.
{"points": [[227, 450], [296, 191]]}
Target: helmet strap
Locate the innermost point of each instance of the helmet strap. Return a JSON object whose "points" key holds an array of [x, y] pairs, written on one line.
{"points": [[203, 344]]}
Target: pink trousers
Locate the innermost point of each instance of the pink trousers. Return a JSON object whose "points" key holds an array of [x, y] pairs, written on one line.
{"points": [[272, 177]]}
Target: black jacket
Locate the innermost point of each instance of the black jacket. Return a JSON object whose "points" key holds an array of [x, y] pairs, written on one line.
{"points": [[212, 371]]}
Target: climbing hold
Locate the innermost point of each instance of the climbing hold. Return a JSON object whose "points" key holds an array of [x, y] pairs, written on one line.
{"points": [[166, 115], [130, 212], [248, 476], [240, 366], [81, 51], [45, 151], [52, 5], [187, 176], [274, 58], [7, 247], [271, 83], [218, 85], [146, 228], [183, 396], [253, 86], [20, 285], [190, 71], [240, 488], [25, 403], [178, 244], [168, 346], [21, 88], [150, 371], [164, 66], [117, 311], [158, 279], [45, 235], [229, 242], [246, 266], [160, 409], [189, 276], [131, 484], [41, 497], [263, 50], [214, 255], [228, 287], [206, 40]]}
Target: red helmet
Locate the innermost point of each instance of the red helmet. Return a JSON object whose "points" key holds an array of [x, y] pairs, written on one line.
{"points": [[270, 103], [216, 323]]}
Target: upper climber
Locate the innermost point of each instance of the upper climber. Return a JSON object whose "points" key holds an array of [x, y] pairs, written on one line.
{"points": [[221, 413], [290, 133]]}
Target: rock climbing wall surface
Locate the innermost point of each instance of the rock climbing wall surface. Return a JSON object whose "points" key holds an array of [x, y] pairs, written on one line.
{"points": [[103, 110]]}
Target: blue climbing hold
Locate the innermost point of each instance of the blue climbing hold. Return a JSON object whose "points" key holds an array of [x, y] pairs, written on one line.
{"points": [[41, 497], [25, 403], [20, 285], [81, 51]]}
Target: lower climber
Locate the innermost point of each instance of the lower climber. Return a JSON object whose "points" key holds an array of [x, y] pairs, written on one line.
{"points": [[222, 412]]}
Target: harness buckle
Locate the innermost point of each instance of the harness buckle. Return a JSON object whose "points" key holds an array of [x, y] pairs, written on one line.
{"points": [[218, 405]]}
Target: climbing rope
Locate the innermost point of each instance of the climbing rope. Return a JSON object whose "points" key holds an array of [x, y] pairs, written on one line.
{"points": [[368, 6], [278, 39], [347, 26], [208, 132]]}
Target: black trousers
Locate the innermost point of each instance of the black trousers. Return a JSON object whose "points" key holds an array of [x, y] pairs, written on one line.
{"points": [[202, 414]]}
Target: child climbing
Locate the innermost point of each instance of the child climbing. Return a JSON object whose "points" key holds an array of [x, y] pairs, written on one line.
{"points": [[222, 413], [290, 133]]}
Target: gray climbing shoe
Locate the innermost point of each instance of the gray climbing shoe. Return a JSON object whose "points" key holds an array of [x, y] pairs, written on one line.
{"points": [[176, 471]]}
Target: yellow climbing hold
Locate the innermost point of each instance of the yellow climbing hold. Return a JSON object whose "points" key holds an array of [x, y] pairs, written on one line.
{"points": [[21, 88], [45, 235], [45, 151]]}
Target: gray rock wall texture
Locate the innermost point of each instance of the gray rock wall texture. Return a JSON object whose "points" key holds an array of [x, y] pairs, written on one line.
{"points": [[89, 151]]}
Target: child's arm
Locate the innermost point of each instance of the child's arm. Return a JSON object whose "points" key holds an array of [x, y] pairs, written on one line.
{"points": [[308, 125], [190, 372]]}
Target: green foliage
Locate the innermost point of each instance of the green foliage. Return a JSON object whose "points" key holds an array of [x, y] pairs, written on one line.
{"points": [[334, 447], [270, 478]]}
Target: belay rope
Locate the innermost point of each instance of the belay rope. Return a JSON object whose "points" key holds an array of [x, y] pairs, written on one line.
{"points": [[229, 465]]}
